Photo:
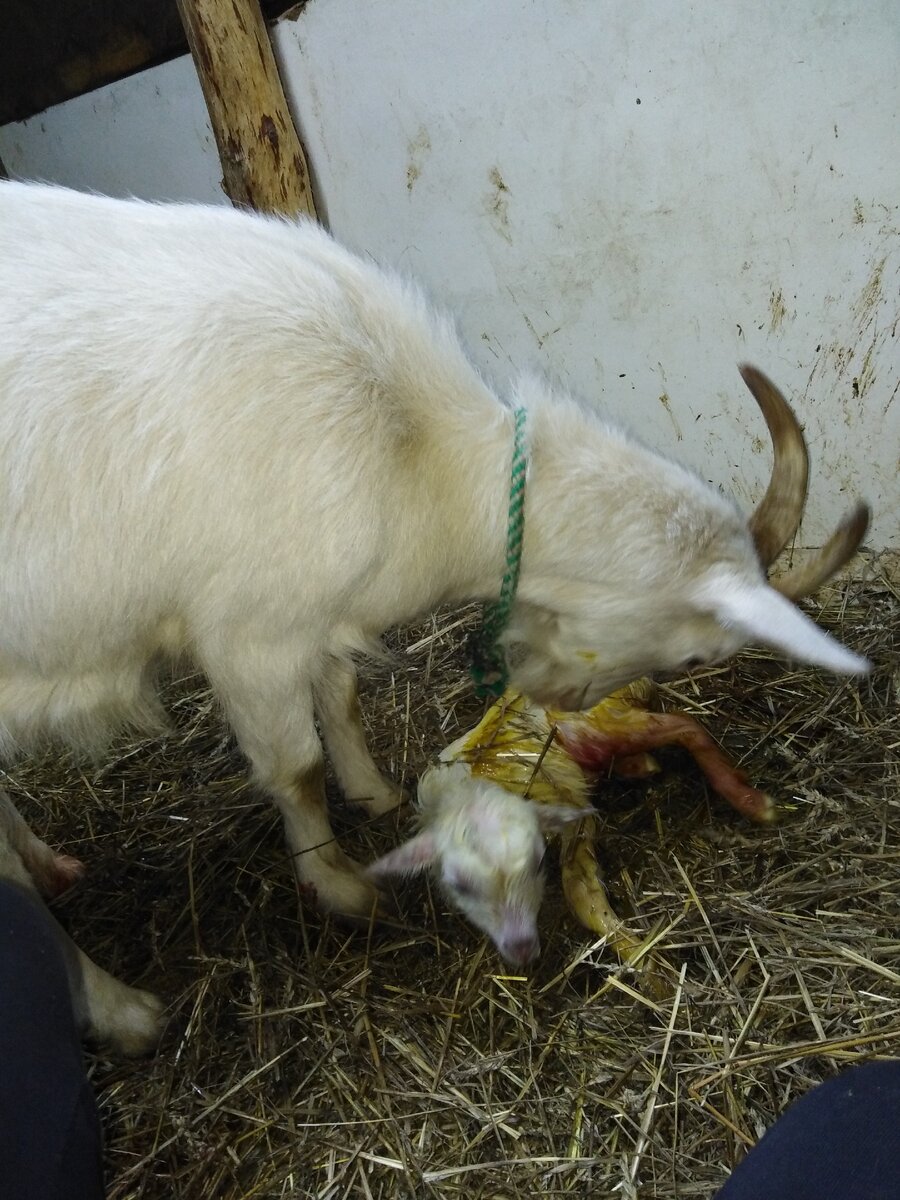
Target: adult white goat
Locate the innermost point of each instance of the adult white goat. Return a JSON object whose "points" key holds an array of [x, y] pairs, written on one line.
{"points": [[225, 436]]}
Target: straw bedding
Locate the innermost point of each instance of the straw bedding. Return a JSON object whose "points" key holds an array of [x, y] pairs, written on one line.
{"points": [[303, 1059]]}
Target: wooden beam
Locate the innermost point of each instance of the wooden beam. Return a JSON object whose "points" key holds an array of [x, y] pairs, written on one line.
{"points": [[263, 163]]}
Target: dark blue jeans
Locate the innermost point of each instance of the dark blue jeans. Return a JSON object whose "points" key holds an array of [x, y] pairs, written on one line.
{"points": [[50, 1142], [841, 1141]]}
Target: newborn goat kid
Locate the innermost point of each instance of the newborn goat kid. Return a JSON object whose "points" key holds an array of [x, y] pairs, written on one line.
{"points": [[224, 436], [524, 772]]}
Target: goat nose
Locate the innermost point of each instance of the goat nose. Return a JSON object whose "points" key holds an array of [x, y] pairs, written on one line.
{"points": [[521, 949]]}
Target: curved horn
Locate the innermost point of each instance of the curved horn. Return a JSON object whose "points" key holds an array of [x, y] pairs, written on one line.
{"points": [[778, 514], [838, 550]]}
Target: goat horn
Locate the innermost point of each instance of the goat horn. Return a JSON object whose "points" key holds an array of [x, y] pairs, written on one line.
{"points": [[838, 550], [778, 514]]}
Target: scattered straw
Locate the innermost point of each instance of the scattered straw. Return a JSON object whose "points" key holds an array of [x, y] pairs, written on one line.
{"points": [[306, 1060]]}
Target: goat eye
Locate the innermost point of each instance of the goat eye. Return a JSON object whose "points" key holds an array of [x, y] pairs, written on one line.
{"points": [[463, 886]]}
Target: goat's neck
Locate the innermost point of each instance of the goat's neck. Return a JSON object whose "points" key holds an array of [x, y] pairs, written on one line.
{"points": [[461, 510], [455, 498], [461, 534]]}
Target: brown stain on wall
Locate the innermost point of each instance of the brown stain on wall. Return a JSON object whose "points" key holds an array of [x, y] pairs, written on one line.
{"points": [[777, 310], [871, 334], [497, 204], [866, 377], [667, 405], [871, 295], [417, 149]]}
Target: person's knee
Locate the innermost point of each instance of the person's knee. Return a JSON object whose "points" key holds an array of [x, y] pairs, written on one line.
{"points": [[838, 1140], [50, 1142], [32, 960]]}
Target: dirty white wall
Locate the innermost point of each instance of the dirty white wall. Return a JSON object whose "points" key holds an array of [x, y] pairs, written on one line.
{"points": [[630, 195]]}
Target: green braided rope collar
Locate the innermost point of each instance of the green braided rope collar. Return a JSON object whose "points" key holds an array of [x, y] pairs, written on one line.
{"points": [[488, 668]]}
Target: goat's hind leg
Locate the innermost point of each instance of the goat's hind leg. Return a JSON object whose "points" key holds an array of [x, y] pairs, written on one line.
{"points": [[642, 732], [337, 706], [724, 777]]}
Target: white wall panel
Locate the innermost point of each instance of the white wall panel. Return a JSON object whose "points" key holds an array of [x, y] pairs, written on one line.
{"points": [[631, 196]]}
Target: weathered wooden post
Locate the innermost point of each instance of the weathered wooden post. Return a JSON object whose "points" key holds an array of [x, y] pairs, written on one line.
{"points": [[263, 163]]}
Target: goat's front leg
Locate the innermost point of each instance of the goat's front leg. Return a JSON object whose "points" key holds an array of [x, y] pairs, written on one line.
{"points": [[337, 705], [52, 873], [268, 697], [108, 1011]]}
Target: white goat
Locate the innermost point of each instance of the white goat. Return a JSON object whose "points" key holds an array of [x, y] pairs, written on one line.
{"points": [[223, 435]]}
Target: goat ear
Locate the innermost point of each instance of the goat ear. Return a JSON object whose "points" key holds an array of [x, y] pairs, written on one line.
{"points": [[409, 859], [552, 818], [758, 611]]}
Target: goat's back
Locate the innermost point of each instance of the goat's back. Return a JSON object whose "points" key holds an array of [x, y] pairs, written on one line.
{"points": [[203, 413]]}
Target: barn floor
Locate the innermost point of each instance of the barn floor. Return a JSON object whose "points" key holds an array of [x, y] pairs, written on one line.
{"points": [[303, 1060]]}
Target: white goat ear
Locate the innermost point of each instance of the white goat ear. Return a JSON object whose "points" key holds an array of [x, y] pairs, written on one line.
{"points": [[552, 818], [410, 858], [765, 616]]}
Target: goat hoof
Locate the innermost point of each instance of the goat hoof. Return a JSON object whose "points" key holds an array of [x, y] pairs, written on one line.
{"points": [[380, 799], [132, 1025], [346, 894], [53, 873], [68, 871]]}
